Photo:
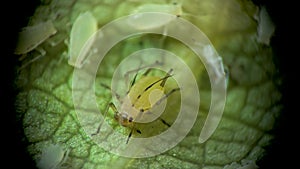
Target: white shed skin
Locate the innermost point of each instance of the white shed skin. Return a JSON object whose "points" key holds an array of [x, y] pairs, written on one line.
{"points": [[83, 28], [32, 36]]}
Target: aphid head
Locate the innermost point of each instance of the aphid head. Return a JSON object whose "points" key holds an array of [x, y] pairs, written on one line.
{"points": [[124, 119]]}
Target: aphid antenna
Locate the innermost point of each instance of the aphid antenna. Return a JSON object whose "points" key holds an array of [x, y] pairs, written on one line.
{"points": [[162, 84], [160, 100], [166, 96], [113, 92], [134, 79], [143, 67]]}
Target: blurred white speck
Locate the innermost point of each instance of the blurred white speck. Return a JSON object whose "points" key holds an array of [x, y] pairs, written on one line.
{"points": [[265, 28]]}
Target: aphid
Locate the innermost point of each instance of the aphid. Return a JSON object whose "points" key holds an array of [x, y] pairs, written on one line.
{"points": [[174, 8], [83, 28], [141, 23], [138, 101], [53, 157], [32, 36]]}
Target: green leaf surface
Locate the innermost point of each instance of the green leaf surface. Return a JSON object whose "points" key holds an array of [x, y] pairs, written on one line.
{"points": [[46, 111]]}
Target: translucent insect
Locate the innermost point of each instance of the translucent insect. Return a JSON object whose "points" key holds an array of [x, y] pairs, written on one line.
{"points": [[53, 157], [138, 102], [83, 28], [32, 36], [140, 22], [174, 8]]}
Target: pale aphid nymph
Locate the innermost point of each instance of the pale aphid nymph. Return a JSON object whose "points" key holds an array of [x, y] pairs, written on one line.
{"points": [[138, 100], [53, 156], [83, 28], [32, 36]]}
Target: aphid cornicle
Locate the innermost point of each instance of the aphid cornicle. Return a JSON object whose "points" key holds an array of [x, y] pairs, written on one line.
{"points": [[138, 100]]}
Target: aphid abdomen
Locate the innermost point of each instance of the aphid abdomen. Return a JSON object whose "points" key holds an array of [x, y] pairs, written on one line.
{"points": [[140, 92]]}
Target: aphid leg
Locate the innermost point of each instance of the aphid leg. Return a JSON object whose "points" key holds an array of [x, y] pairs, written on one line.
{"points": [[113, 92], [130, 134], [147, 71], [132, 82], [163, 98], [156, 63], [113, 107], [66, 155], [164, 122], [162, 79], [55, 41], [137, 70], [131, 131], [42, 53], [162, 84], [134, 79], [166, 96], [149, 86]]}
